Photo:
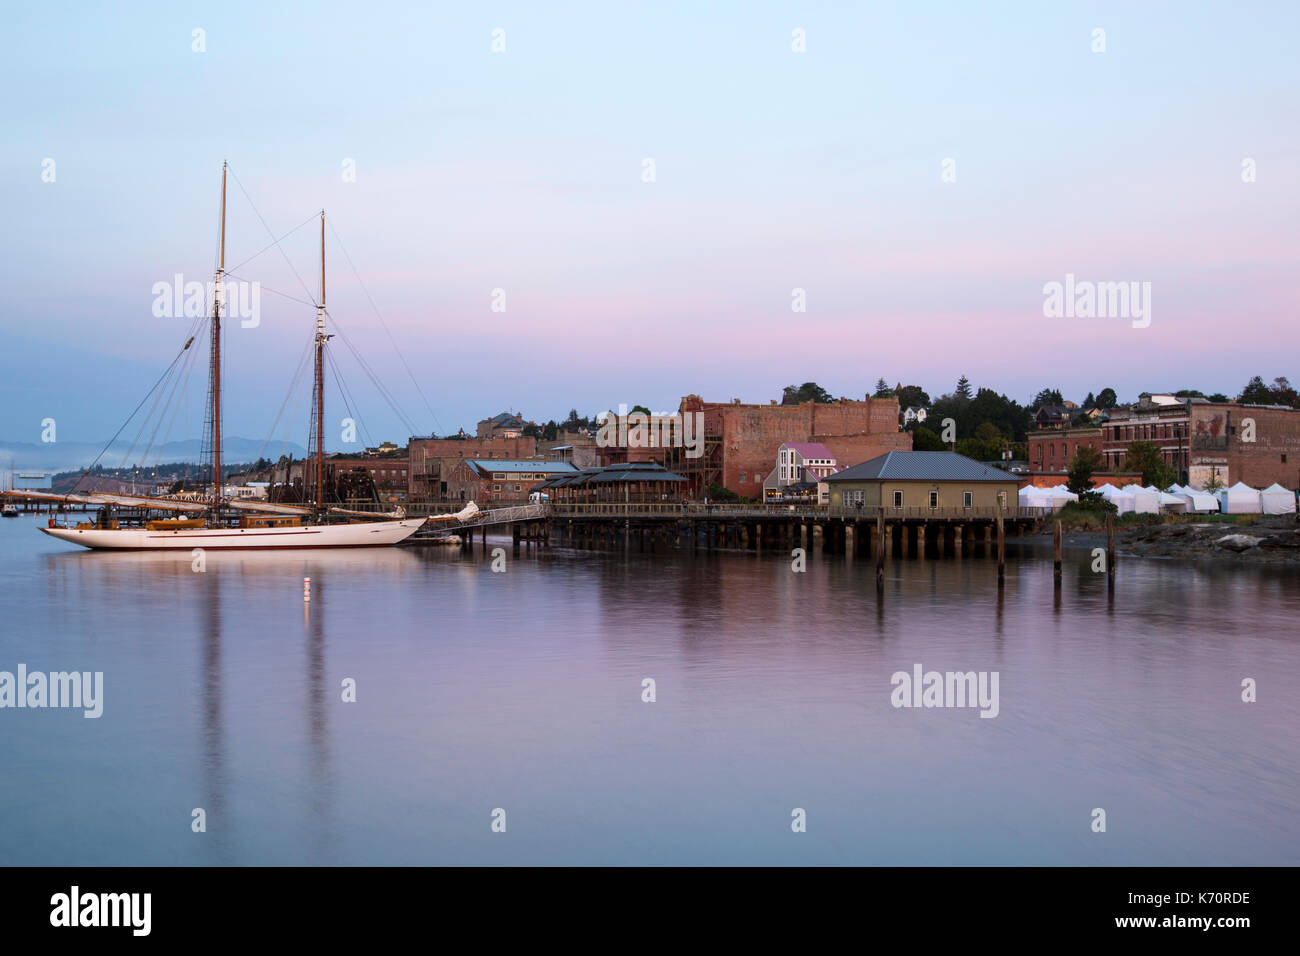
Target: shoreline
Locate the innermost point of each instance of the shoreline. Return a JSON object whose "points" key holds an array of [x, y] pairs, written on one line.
{"points": [[1269, 540]]}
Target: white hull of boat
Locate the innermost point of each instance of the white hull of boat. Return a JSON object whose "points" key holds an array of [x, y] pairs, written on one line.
{"points": [[368, 534]]}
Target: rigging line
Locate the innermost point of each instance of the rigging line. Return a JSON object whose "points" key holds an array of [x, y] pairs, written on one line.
{"points": [[187, 368], [258, 214], [384, 324], [274, 243], [293, 386], [347, 398], [180, 388], [379, 385], [266, 288], [184, 347], [160, 405]]}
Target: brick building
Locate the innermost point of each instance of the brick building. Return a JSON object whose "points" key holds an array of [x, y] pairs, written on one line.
{"points": [[432, 459], [491, 481], [741, 440], [1050, 449], [1257, 444]]}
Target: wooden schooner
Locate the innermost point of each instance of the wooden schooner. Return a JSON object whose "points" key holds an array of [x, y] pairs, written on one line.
{"points": [[216, 523]]}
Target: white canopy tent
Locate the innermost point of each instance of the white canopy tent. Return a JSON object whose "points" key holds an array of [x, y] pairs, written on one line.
{"points": [[1276, 500], [1198, 502], [1240, 499], [1167, 502], [1054, 498], [1122, 499], [1145, 501]]}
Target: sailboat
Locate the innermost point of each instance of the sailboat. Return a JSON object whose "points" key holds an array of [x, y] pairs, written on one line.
{"points": [[232, 524]]}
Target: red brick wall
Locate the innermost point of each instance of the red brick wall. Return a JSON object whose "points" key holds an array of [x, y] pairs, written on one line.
{"points": [[751, 434], [1218, 438], [1050, 450], [437, 456]]}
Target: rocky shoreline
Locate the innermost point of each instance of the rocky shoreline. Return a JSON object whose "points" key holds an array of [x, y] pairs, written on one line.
{"points": [[1270, 539]]}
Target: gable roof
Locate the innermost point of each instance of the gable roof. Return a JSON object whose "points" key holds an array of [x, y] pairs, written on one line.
{"points": [[502, 465], [921, 466], [810, 449]]}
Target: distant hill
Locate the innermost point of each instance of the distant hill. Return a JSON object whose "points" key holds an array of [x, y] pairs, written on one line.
{"points": [[70, 455]]}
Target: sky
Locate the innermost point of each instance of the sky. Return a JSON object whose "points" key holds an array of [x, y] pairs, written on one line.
{"points": [[525, 170]]}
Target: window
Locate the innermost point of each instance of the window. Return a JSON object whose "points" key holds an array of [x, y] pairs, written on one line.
{"points": [[934, 499], [967, 499], [742, 477], [854, 499], [496, 487], [898, 499]]}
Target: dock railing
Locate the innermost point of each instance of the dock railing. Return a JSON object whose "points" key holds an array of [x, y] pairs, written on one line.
{"points": [[721, 510]]}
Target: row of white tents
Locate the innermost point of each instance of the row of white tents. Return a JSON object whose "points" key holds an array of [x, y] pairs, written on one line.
{"points": [[1176, 499]]}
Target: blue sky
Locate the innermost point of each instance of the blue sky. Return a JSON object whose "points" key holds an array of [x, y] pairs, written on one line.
{"points": [[522, 170]]}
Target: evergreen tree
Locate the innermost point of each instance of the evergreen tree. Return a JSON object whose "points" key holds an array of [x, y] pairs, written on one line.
{"points": [[963, 387]]}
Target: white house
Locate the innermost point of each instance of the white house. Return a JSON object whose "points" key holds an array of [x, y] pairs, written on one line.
{"points": [[913, 413]]}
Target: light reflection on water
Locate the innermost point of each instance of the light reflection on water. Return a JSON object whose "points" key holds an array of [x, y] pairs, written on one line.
{"points": [[522, 690]]}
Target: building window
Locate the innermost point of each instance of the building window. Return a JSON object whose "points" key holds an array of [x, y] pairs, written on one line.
{"points": [[742, 477], [898, 499], [967, 499], [496, 487]]}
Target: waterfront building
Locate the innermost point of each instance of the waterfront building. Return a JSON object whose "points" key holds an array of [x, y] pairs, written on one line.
{"points": [[640, 482], [432, 459], [923, 480], [741, 440], [489, 480]]}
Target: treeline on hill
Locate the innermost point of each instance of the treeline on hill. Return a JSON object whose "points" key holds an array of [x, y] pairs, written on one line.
{"points": [[986, 422]]}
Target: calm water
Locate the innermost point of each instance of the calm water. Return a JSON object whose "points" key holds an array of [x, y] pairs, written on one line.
{"points": [[522, 691]]}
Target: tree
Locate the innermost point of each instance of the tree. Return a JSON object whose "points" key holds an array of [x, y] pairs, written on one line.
{"points": [[883, 390], [980, 449], [1082, 467], [1144, 457], [1107, 399], [912, 396], [550, 430], [963, 387], [1218, 397], [807, 392], [531, 430], [1256, 393], [1283, 393], [1048, 396], [923, 439], [1090, 402], [642, 409]]}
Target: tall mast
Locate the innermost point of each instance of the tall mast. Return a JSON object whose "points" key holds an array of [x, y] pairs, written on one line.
{"points": [[215, 371], [321, 338]]}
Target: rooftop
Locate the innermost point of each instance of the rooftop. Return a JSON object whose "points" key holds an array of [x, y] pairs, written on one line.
{"points": [[921, 466], [503, 464]]}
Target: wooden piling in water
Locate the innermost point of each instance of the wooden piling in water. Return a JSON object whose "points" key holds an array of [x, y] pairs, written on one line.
{"points": [[1110, 551], [1056, 554], [1002, 552]]}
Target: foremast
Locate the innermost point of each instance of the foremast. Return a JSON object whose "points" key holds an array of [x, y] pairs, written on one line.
{"points": [[214, 370], [318, 391]]}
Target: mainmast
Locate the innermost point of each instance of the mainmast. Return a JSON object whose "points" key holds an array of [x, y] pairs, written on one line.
{"points": [[218, 300], [321, 339]]}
